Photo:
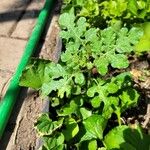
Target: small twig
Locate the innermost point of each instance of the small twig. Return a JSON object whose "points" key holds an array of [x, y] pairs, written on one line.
{"points": [[147, 116]]}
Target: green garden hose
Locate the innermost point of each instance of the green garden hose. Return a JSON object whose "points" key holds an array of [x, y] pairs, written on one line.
{"points": [[7, 103]]}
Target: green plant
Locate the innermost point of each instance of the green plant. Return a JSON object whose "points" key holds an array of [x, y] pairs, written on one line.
{"points": [[78, 97], [83, 92], [92, 47], [126, 137], [127, 11]]}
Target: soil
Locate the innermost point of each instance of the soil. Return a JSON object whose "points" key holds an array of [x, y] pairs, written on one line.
{"points": [[24, 137], [140, 69]]}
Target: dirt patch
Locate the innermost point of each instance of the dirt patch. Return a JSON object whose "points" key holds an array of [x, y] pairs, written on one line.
{"points": [[25, 135]]}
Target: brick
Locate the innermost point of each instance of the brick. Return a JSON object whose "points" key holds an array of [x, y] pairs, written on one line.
{"points": [[11, 51], [10, 11], [25, 25]]}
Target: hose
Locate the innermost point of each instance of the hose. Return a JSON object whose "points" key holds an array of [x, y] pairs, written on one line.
{"points": [[7, 103]]}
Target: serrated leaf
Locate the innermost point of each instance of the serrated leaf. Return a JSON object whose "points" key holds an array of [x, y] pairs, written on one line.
{"points": [[126, 39], [71, 129], [63, 86], [134, 35], [90, 8], [81, 26], [74, 31], [94, 126], [45, 126], [53, 85]]}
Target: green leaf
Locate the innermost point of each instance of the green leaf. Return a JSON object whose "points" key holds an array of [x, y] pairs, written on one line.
{"points": [[102, 148], [88, 145], [102, 65], [74, 31], [90, 8], [85, 113], [55, 101], [110, 105], [119, 61], [91, 35], [144, 44], [112, 88], [92, 145], [94, 126], [127, 39], [79, 78], [68, 109], [71, 129], [45, 126], [129, 98], [124, 137], [55, 142], [132, 6], [91, 91], [134, 35], [35, 74], [69, 21], [96, 101], [63, 86]]}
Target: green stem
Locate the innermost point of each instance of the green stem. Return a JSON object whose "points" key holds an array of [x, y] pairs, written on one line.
{"points": [[118, 116]]}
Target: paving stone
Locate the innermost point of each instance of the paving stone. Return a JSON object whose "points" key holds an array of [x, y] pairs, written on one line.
{"points": [[26, 24], [10, 11], [11, 51]]}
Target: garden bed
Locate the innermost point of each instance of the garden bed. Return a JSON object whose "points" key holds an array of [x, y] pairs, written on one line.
{"points": [[99, 89]]}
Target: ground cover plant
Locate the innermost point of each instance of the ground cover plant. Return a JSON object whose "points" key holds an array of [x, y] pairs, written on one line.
{"points": [[99, 80]]}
